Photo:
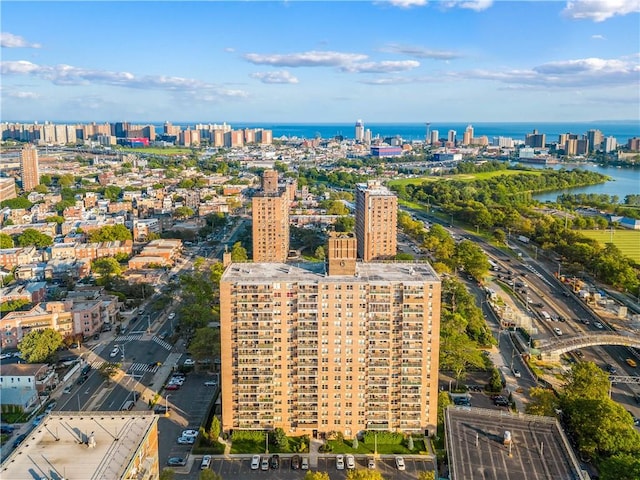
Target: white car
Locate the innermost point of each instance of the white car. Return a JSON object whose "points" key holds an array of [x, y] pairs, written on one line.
{"points": [[516, 373], [340, 462], [255, 462], [599, 325], [351, 461], [557, 331], [400, 463], [186, 440], [172, 315], [371, 463], [206, 462], [5, 355], [114, 352], [304, 464], [189, 362], [190, 433]]}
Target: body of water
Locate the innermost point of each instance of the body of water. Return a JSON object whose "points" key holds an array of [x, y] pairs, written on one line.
{"points": [[622, 130], [624, 181]]}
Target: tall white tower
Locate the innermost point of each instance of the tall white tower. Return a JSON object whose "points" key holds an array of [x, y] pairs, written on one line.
{"points": [[359, 131]]}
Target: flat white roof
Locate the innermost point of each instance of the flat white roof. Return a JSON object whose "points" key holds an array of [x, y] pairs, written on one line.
{"points": [[58, 447]]}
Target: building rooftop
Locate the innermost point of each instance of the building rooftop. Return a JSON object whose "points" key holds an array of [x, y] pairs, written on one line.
{"points": [[60, 446], [22, 369], [366, 272], [475, 444]]}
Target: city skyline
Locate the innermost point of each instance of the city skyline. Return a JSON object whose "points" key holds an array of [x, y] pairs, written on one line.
{"points": [[295, 61]]}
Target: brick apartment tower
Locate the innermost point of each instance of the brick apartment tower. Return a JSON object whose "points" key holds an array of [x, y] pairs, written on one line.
{"points": [[29, 171], [314, 350], [376, 220], [270, 214]]}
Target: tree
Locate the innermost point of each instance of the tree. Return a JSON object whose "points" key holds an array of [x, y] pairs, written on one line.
{"points": [[472, 258], [108, 370], [110, 233], [33, 237], [320, 253], [316, 475], [280, 439], [428, 475], [38, 346], [239, 253], [112, 192], [55, 219], [586, 381], [167, 474], [45, 179], [364, 475], [345, 224], [205, 343], [209, 475], [354, 444], [620, 467], [6, 241], [13, 305], [106, 267], [66, 180], [457, 353], [16, 203], [214, 429], [543, 402]]}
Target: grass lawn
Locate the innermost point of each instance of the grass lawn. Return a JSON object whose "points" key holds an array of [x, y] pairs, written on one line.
{"points": [[253, 446], [364, 448], [247, 446], [463, 177], [628, 241]]}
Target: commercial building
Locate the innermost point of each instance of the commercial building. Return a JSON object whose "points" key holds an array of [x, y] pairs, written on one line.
{"points": [[270, 214], [7, 188], [359, 131], [386, 151], [376, 219], [315, 348], [88, 445], [29, 171]]}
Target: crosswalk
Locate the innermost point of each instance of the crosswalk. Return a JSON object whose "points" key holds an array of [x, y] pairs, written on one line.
{"points": [[128, 338], [134, 367], [162, 343]]}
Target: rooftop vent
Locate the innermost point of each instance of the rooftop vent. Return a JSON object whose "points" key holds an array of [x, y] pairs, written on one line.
{"points": [[91, 443]]}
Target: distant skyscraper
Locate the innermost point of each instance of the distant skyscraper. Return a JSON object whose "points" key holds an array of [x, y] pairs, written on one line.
{"points": [[435, 134], [367, 136], [359, 131], [29, 171], [610, 144], [595, 138], [535, 139], [376, 218], [270, 214], [451, 137], [467, 138]]}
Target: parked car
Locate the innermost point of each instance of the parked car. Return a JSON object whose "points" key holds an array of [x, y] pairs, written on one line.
{"points": [[50, 407], [304, 463], [351, 461], [598, 325], [172, 315], [19, 439], [264, 463], [172, 386], [340, 462], [275, 462], [400, 463], [211, 383], [186, 440], [161, 409], [255, 462], [190, 433], [67, 389], [38, 419], [206, 462], [176, 462], [7, 429], [516, 373], [371, 462], [295, 462], [189, 362]]}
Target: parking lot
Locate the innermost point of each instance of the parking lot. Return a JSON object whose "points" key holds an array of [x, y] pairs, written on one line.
{"points": [[241, 468]]}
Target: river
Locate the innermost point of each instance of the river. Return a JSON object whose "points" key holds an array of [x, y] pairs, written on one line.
{"points": [[624, 181]]}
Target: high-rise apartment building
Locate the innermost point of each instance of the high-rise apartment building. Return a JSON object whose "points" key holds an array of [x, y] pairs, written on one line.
{"points": [[610, 144], [595, 138], [535, 139], [376, 221], [347, 348], [435, 137], [359, 131], [270, 214], [451, 137], [467, 138], [29, 170]]}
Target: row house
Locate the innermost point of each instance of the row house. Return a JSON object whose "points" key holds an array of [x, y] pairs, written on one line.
{"points": [[67, 268], [20, 216], [12, 257], [205, 209], [143, 227], [20, 384], [46, 228], [119, 207], [139, 262], [30, 271], [32, 292], [55, 315]]}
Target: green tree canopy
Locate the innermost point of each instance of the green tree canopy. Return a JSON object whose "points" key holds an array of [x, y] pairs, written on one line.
{"points": [[6, 241], [167, 474], [316, 475], [239, 253], [621, 466], [33, 237], [16, 203], [106, 267], [38, 346], [112, 192], [205, 343], [345, 223], [110, 233], [183, 212], [361, 474]]}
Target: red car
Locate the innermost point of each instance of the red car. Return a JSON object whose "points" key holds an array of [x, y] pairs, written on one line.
{"points": [[172, 386]]}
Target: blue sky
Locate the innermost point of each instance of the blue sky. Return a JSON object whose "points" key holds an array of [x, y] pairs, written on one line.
{"points": [[331, 61]]}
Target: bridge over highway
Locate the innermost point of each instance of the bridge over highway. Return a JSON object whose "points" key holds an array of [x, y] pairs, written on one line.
{"points": [[553, 348]]}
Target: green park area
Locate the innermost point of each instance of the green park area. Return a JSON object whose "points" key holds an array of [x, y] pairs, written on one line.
{"points": [[462, 177], [628, 241]]}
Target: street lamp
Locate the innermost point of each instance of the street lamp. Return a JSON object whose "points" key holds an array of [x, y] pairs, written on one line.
{"points": [[166, 405], [266, 443]]}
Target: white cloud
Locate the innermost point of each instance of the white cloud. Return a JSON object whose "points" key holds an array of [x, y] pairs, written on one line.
{"points": [[381, 67], [305, 59], [408, 3], [280, 76], [588, 72], [9, 40], [421, 52], [22, 95], [70, 75], [598, 37], [476, 5], [600, 10]]}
